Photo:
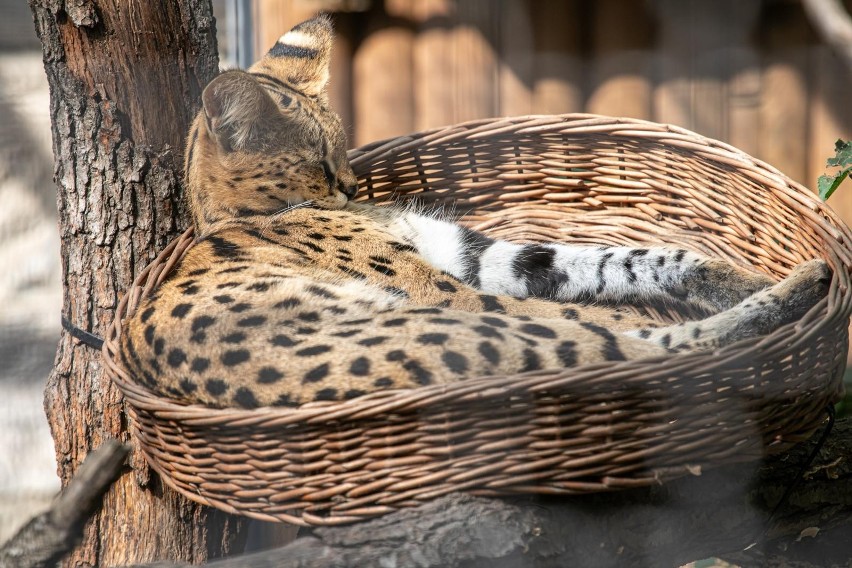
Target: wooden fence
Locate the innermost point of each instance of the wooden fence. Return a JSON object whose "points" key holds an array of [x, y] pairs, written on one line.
{"points": [[749, 72]]}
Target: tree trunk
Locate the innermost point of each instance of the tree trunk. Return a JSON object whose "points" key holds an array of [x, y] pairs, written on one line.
{"points": [[125, 80]]}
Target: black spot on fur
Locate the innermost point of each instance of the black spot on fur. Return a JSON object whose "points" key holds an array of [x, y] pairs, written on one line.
{"points": [[224, 299], [532, 262], [281, 340], [284, 400], [371, 341], [326, 394], [666, 340], [538, 330], [259, 287], [176, 358], [159, 345], [360, 367], [237, 337], [424, 311], [488, 331], [420, 375], [601, 265], [396, 355], [200, 364], [245, 398], [567, 353], [396, 322], [269, 375], [313, 350], [215, 387], [382, 269], [316, 236], [312, 246], [347, 333], [188, 386], [445, 286], [288, 303], [343, 238], [493, 322], [252, 321], [402, 247], [235, 357], [531, 361], [644, 333], [321, 292], [383, 382], [488, 352], [224, 248], [491, 304], [316, 374], [309, 316], [444, 321], [353, 393], [146, 315], [352, 272], [679, 255], [611, 351], [696, 332], [570, 313], [202, 322], [454, 361], [433, 338], [149, 334]]}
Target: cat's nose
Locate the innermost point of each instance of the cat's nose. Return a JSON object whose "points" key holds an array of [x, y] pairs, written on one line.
{"points": [[348, 189]]}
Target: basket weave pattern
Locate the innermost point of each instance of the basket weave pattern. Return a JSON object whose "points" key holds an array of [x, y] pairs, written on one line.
{"points": [[578, 178]]}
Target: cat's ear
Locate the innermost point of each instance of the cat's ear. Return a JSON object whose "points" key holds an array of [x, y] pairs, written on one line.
{"points": [[238, 112], [301, 58]]}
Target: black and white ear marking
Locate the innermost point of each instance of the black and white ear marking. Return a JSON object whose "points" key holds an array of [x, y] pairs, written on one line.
{"points": [[301, 58]]}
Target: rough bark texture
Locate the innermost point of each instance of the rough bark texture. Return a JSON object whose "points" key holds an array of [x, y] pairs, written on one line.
{"points": [[125, 79], [720, 511]]}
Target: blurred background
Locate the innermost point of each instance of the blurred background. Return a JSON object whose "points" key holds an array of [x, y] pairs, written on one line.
{"points": [[759, 74]]}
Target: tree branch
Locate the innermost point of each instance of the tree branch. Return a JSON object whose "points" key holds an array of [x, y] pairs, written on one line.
{"points": [[49, 536], [834, 25], [720, 511]]}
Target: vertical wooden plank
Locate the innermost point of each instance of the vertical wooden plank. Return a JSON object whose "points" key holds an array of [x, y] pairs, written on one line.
{"points": [[620, 67], [433, 64], [706, 65], [475, 62], [558, 64], [515, 80], [383, 74], [783, 135]]}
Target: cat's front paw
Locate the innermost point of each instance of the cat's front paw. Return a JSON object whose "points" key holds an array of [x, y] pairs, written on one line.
{"points": [[717, 285], [802, 289]]}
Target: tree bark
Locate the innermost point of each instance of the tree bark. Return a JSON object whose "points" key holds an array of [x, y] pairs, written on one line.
{"points": [[125, 80], [722, 510]]}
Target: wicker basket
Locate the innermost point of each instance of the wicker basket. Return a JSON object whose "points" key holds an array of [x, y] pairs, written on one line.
{"points": [[598, 427]]}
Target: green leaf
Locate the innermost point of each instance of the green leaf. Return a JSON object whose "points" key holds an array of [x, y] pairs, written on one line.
{"points": [[843, 154], [827, 184]]}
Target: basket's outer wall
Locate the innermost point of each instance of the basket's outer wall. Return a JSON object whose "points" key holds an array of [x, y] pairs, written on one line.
{"points": [[576, 178]]}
